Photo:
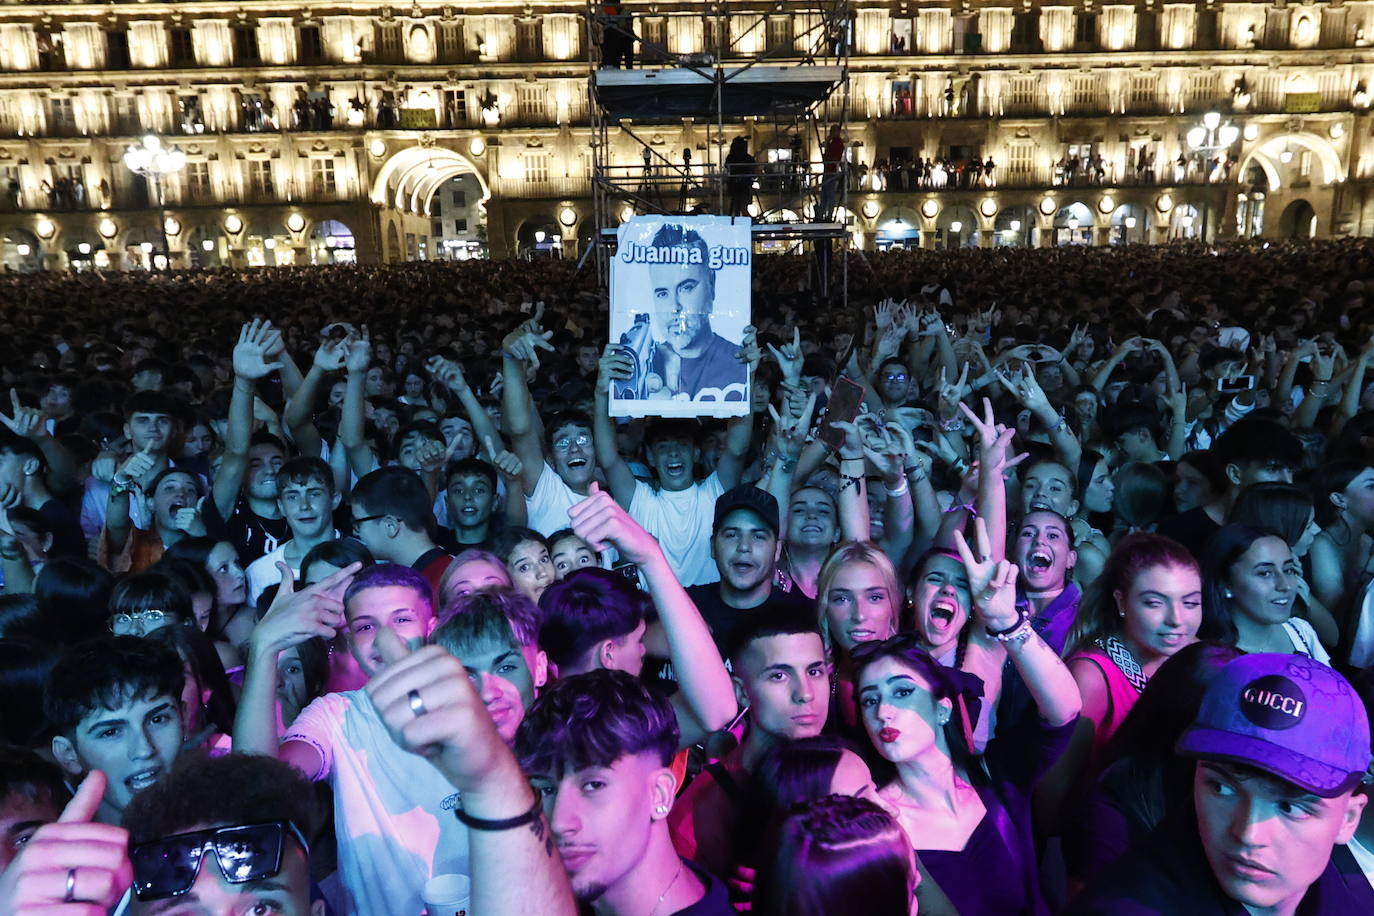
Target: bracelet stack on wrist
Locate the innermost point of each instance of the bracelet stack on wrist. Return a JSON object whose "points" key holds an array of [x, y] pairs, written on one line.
{"points": [[952, 426], [1016, 632], [509, 823], [901, 490], [919, 470]]}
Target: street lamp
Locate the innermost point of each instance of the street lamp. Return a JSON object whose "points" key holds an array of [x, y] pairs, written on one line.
{"points": [[154, 162]]}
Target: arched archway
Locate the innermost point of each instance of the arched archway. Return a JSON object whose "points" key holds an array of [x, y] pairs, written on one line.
{"points": [[1185, 222], [1073, 224], [142, 247], [957, 227], [1014, 227], [1288, 157], [21, 251], [331, 242], [407, 180], [207, 246], [898, 227], [393, 244], [539, 237], [1298, 221], [1130, 223]]}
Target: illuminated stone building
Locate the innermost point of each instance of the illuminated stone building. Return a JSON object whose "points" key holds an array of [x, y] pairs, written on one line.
{"points": [[324, 131]]}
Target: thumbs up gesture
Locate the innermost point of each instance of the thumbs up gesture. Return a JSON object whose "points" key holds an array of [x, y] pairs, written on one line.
{"points": [[73, 867]]}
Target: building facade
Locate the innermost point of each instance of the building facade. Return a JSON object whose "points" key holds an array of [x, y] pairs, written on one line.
{"points": [[332, 131]]}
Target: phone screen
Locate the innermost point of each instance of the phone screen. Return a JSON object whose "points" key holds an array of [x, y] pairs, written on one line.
{"points": [[845, 397], [1239, 383]]}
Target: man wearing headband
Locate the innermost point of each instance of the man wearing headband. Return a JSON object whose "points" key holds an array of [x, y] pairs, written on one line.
{"points": [[1282, 750]]}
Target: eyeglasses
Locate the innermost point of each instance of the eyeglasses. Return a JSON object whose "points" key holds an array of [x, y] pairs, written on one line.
{"points": [[168, 867], [138, 623], [564, 443], [358, 522], [895, 376]]}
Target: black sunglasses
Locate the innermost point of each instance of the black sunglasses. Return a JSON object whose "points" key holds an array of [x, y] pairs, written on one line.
{"points": [[167, 867], [358, 520]]}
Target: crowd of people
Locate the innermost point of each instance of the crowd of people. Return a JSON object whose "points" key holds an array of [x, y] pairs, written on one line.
{"points": [[1025, 582]]}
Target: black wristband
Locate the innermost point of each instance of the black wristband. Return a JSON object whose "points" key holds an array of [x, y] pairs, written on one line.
{"points": [[509, 823]]}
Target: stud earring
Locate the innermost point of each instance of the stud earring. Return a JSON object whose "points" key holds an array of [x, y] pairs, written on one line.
{"points": [[1228, 593], [661, 810]]}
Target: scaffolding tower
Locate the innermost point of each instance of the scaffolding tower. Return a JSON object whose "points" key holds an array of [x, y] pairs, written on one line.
{"points": [[784, 63]]}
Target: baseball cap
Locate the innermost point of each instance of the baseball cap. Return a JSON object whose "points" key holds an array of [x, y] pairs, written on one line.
{"points": [[1288, 715], [744, 496]]}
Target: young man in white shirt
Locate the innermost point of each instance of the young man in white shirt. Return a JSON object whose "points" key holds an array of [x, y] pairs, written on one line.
{"points": [[306, 495]]}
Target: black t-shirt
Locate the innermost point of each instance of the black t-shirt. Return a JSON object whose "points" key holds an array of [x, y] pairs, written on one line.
{"points": [[717, 899], [1193, 529], [1168, 873], [722, 618], [251, 534]]}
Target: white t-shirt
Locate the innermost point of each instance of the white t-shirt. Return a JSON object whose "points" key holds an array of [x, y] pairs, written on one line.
{"points": [[393, 811], [547, 510], [681, 522], [263, 572]]}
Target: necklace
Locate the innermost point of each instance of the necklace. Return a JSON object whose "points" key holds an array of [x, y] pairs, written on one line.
{"points": [[664, 896]]}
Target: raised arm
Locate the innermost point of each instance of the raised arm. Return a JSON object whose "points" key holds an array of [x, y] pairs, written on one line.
{"points": [[1027, 390], [706, 698], [519, 349], [118, 525], [994, 447], [299, 413], [293, 618], [616, 365], [251, 362], [993, 586], [29, 422], [1099, 380], [352, 413], [431, 709], [739, 431]]}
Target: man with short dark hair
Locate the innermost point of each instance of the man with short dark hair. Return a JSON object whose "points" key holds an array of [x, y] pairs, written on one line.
{"points": [[470, 496], [1252, 450], [307, 498], [781, 674], [258, 815], [606, 728], [23, 477], [114, 705], [746, 547], [393, 516], [1282, 749]]}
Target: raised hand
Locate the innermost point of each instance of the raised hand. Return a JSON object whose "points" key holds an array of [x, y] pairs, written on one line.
{"points": [[187, 519], [330, 355], [28, 422], [882, 315], [992, 584], [446, 372], [951, 395], [359, 351], [616, 365], [73, 867], [253, 354], [789, 431], [296, 616], [750, 353], [1026, 389], [932, 325], [601, 522], [133, 470], [790, 358], [505, 461], [431, 708]]}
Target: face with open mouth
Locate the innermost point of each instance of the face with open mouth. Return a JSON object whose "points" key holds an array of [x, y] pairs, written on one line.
{"points": [[470, 499], [1048, 485], [1044, 552], [134, 744], [674, 460], [941, 602], [574, 459], [1264, 580]]}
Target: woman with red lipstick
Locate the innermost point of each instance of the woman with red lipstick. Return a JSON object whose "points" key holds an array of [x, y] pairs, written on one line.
{"points": [[968, 815]]}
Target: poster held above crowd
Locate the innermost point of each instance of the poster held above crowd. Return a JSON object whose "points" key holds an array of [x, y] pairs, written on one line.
{"points": [[680, 301]]}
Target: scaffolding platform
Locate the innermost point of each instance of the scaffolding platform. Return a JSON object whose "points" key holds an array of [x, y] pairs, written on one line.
{"points": [[673, 93]]}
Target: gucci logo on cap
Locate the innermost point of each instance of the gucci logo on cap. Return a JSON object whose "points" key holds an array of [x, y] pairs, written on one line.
{"points": [[1273, 702]]}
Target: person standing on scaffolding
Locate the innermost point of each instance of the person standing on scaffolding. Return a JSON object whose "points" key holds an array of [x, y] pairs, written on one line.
{"points": [[617, 37], [833, 157], [739, 181]]}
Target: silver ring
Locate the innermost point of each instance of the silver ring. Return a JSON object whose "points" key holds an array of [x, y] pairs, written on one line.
{"points": [[70, 895], [417, 703]]}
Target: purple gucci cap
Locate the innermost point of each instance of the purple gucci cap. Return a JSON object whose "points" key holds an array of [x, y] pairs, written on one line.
{"points": [[1288, 715]]}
